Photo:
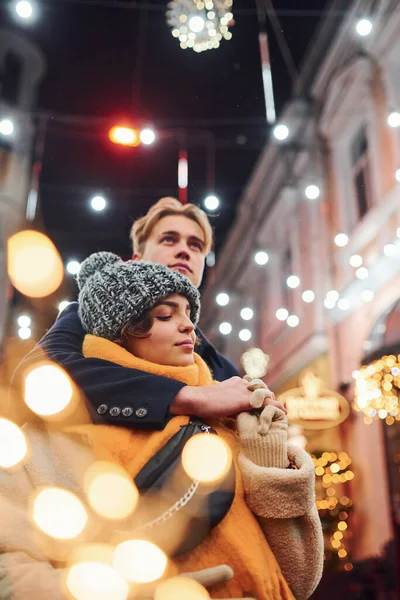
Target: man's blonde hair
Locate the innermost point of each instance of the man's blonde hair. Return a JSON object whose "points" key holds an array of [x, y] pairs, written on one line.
{"points": [[165, 207]]}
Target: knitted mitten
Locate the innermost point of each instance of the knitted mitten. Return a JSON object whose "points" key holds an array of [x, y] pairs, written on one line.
{"points": [[263, 437], [260, 390]]}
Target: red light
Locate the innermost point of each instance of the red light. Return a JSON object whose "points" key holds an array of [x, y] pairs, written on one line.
{"points": [[125, 136]]}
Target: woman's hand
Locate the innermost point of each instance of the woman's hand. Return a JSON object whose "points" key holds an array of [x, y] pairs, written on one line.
{"points": [[262, 395], [263, 437]]}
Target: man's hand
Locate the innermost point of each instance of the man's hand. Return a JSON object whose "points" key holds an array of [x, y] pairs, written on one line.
{"points": [[224, 399]]}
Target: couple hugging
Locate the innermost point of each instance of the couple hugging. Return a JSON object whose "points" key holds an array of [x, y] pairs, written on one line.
{"points": [[151, 382]]}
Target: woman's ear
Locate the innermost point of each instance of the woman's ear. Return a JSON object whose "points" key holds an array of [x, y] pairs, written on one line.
{"points": [[136, 256]]}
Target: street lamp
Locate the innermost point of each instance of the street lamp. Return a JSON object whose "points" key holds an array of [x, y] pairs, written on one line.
{"points": [[124, 136]]}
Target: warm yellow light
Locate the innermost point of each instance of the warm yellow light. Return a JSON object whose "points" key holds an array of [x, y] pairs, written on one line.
{"points": [[34, 265], [342, 526], [327, 478], [180, 588], [335, 478], [89, 580], [338, 535], [319, 471], [335, 468], [330, 491], [13, 445], [139, 561], [48, 390], [344, 500], [342, 553], [336, 544], [110, 491], [349, 475], [206, 458], [125, 136], [59, 513]]}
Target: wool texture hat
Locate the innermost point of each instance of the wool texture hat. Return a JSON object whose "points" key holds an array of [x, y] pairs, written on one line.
{"points": [[114, 293]]}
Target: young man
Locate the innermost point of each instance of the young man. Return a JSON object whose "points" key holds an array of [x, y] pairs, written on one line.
{"points": [[179, 237]]}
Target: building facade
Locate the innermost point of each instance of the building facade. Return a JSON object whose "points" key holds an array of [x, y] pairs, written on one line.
{"points": [[22, 67], [324, 204]]}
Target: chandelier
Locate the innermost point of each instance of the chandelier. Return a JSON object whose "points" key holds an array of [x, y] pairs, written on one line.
{"points": [[200, 24], [377, 390]]}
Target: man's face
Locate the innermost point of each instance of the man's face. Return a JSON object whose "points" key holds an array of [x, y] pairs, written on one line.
{"points": [[178, 243]]}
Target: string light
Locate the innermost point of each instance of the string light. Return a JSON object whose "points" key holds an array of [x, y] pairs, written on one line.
{"points": [[282, 314], [312, 192], [261, 258], [199, 25], [245, 335], [281, 132], [246, 314], [293, 320], [377, 390], [362, 273], [363, 27], [331, 470], [222, 299], [293, 281], [308, 296], [341, 240], [356, 260], [225, 328], [6, 127]]}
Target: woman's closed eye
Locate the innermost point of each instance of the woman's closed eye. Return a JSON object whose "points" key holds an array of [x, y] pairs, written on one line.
{"points": [[163, 318]]}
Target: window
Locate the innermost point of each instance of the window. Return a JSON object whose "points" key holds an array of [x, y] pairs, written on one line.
{"points": [[360, 161], [11, 79]]}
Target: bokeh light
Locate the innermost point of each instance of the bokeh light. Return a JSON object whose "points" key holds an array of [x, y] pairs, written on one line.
{"points": [[139, 561], [13, 446], [93, 576], [110, 491], [206, 458], [59, 513], [34, 265], [48, 390], [180, 588]]}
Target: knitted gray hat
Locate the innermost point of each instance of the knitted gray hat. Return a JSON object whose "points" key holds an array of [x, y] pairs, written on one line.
{"points": [[114, 293]]}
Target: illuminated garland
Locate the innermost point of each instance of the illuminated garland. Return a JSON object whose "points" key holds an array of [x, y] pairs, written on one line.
{"points": [[332, 470], [200, 24], [377, 390]]}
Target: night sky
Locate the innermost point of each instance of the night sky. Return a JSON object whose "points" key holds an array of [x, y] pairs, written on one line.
{"points": [[95, 69]]}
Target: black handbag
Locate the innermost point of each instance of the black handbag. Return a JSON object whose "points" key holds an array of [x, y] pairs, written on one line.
{"points": [[174, 511]]}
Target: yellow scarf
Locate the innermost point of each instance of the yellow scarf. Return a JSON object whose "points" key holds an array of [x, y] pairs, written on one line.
{"points": [[193, 375], [238, 540]]}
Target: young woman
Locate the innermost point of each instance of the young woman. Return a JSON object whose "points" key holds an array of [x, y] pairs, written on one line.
{"points": [[143, 316]]}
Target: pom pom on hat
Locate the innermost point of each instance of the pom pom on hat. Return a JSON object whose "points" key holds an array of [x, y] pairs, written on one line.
{"points": [[92, 264]]}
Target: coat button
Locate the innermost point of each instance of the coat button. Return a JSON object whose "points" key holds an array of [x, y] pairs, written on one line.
{"points": [[102, 409], [115, 411], [127, 411], [141, 412]]}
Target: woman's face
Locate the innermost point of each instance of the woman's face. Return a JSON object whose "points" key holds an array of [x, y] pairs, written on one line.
{"points": [[172, 337]]}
